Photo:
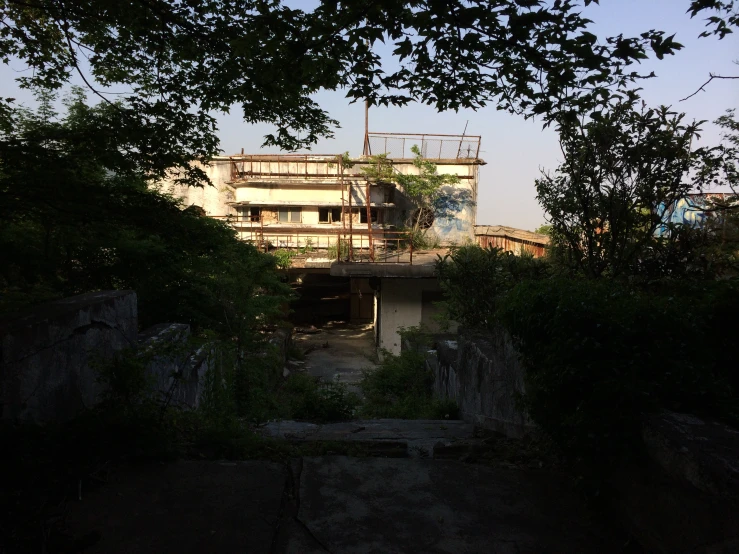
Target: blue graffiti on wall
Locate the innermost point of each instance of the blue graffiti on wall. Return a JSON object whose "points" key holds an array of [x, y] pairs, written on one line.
{"points": [[689, 211], [453, 214]]}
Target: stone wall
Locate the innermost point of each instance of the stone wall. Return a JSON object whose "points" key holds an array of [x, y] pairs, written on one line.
{"points": [[682, 497], [48, 353], [176, 367], [685, 498], [483, 374]]}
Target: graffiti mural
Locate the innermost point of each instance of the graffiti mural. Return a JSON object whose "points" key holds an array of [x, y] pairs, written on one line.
{"points": [[692, 211], [454, 215]]}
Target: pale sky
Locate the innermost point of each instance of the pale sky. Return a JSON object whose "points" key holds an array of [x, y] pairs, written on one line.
{"points": [[515, 150]]}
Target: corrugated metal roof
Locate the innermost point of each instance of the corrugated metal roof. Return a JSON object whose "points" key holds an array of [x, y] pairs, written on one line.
{"points": [[510, 232]]}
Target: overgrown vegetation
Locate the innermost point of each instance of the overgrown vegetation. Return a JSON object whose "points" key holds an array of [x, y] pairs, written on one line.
{"points": [[74, 217], [630, 312], [77, 212], [284, 257], [339, 250], [432, 195], [402, 386], [303, 397]]}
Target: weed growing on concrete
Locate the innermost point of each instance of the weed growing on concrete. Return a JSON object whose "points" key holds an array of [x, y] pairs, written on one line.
{"points": [[303, 397], [402, 387], [283, 258]]}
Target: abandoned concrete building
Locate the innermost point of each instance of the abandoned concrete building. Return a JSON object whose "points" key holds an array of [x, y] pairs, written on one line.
{"points": [[345, 230]]}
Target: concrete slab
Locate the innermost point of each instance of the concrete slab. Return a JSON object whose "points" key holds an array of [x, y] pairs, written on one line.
{"points": [[339, 352], [183, 507], [375, 505], [421, 436]]}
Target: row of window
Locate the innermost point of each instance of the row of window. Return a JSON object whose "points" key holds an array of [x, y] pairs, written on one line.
{"points": [[295, 215]]}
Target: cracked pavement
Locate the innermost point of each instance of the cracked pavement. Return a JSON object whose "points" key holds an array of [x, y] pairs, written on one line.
{"points": [[335, 504]]}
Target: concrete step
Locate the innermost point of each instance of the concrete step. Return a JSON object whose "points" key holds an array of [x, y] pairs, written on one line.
{"points": [[419, 437]]}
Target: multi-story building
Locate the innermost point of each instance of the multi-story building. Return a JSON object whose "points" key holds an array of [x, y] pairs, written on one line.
{"points": [[326, 208]]}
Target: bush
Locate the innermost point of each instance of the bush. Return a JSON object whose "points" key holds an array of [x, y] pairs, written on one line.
{"points": [[474, 278], [305, 398], [284, 257], [402, 387], [599, 354]]}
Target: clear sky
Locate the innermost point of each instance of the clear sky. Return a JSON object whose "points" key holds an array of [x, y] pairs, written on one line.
{"points": [[516, 150]]}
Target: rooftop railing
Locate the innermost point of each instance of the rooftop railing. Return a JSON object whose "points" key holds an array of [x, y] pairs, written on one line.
{"points": [[440, 147]]}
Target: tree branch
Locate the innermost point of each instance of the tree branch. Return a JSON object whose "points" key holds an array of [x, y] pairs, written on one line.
{"points": [[712, 77]]}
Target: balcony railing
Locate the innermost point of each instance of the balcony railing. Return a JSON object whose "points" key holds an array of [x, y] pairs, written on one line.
{"points": [[398, 145], [305, 166], [355, 246]]}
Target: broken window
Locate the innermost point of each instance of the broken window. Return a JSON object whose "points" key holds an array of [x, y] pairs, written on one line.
{"points": [[363, 215], [336, 214], [255, 213], [324, 215], [291, 215]]}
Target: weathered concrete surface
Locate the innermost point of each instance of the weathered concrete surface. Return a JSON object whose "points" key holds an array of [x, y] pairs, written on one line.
{"points": [[419, 437], [45, 359], [183, 507], [702, 452], [386, 506], [483, 374], [178, 369], [334, 504], [339, 352], [687, 498]]}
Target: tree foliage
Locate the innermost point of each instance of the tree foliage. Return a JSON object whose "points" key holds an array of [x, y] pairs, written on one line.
{"points": [[74, 217], [432, 194], [725, 16], [622, 169], [172, 64]]}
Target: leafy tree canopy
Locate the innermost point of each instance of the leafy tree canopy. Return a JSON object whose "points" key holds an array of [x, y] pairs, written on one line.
{"points": [[73, 219], [176, 62], [622, 170]]}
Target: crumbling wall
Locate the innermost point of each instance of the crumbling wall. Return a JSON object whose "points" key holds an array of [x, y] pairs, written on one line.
{"points": [[681, 497], [483, 374], [48, 353], [176, 367], [49, 356]]}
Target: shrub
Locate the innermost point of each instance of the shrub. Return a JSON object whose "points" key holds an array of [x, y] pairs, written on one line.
{"points": [[600, 353], [284, 257], [402, 387], [305, 398], [474, 278]]}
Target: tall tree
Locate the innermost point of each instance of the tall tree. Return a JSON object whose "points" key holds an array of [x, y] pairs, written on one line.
{"points": [[621, 170], [74, 219], [174, 63]]}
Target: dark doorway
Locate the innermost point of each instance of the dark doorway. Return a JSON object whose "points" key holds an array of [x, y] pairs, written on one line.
{"points": [[321, 298]]}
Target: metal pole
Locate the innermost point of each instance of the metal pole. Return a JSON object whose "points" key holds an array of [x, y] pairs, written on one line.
{"points": [[369, 222], [351, 217], [366, 128], [459, 150]]}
